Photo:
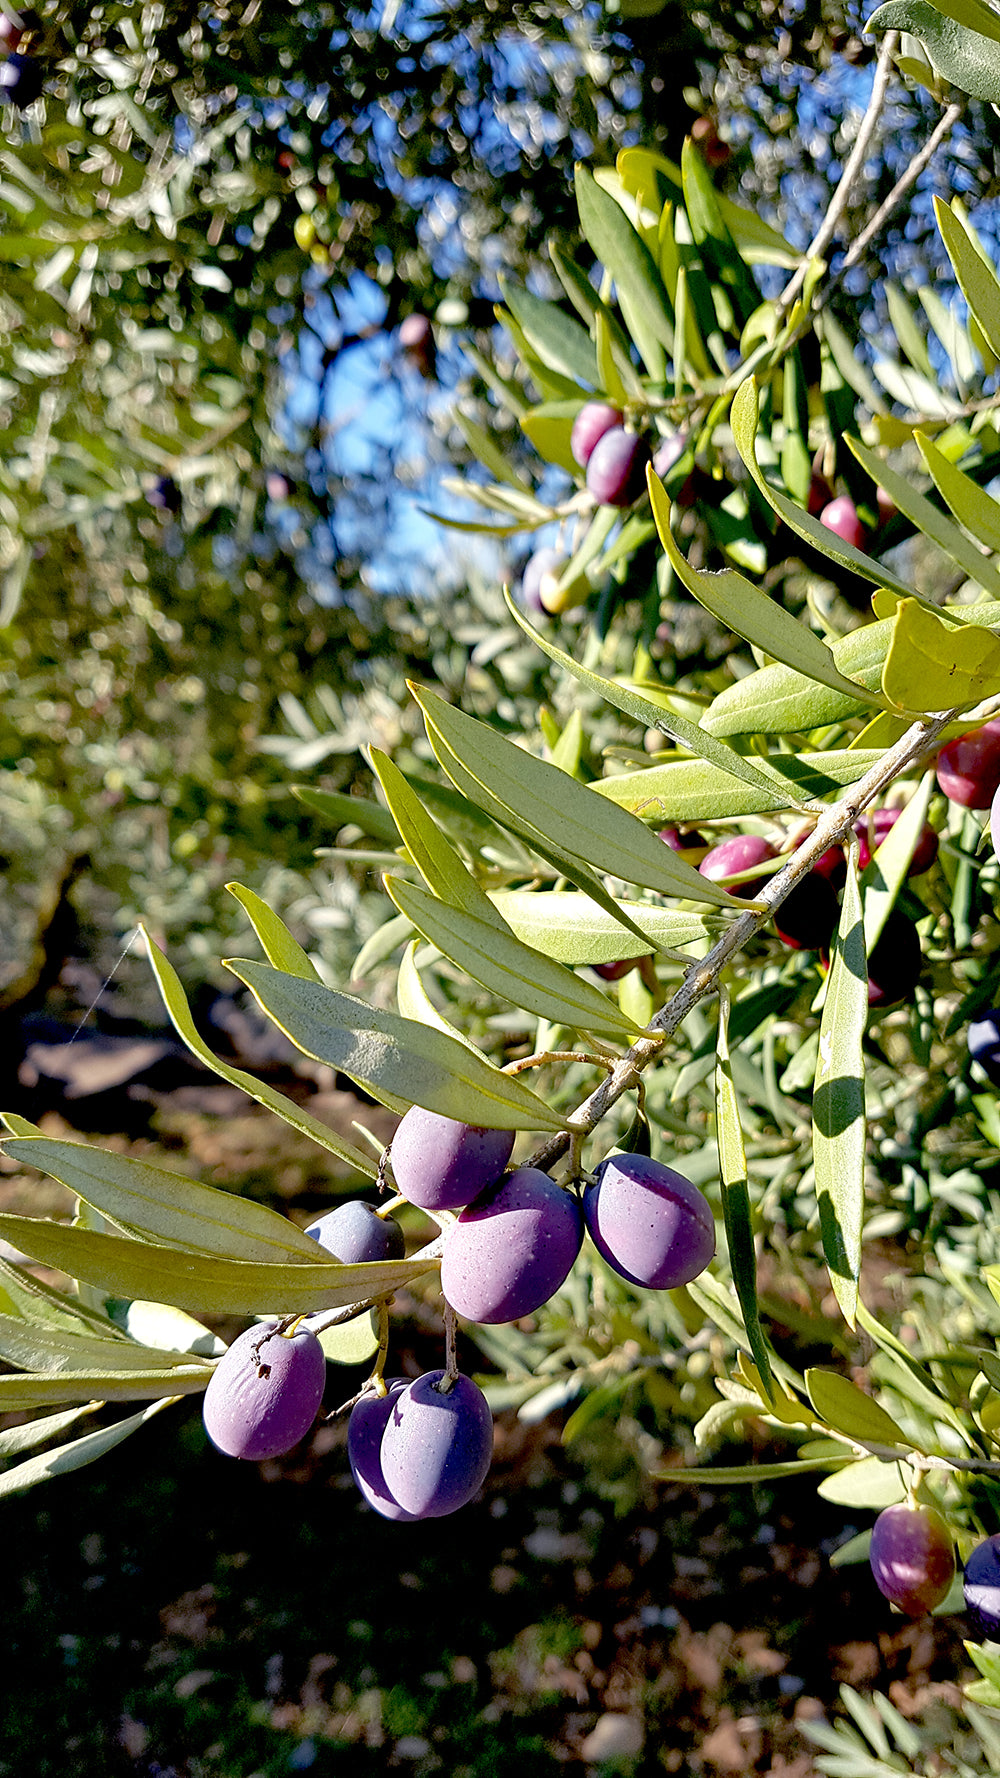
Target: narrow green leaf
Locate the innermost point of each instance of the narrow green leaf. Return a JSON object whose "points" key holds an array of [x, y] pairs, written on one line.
{"points": [[624, 254], [397, 1060], [549, 426], [710, 232], [778, 700], [77, 1454], [536, 798], [934, 524], [690, 790], [642, 710], [168, 1330], [972, 505], [413, 1000], [49, 1351], [751, 1472], [560, 342], [97, 1387], [506, 966], [15, 1439], [842, 1405], [166, 1206], [438, 863], [571, 928], [907, 329], [885, 875], [195, 1281], [873, 1482], [175, 1001], [353, 1342], [977, 280], [346, 810], [750, 613], [736, 1198], [744, 421], [484, 447], [839, 1102], [280, 947]]}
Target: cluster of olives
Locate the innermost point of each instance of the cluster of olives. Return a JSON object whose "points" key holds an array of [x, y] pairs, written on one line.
{"points": [[421, 1449], [912, 1558], [517, 1234]]}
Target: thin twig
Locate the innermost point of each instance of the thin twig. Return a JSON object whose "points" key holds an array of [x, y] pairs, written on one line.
{"points": [[701, 979], [855, 161], [945, 124]]}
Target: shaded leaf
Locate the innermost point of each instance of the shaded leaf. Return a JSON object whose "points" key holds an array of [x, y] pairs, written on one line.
{"points": [[77, 1454], [977, 280], [839, 1102], [736, 1199]]}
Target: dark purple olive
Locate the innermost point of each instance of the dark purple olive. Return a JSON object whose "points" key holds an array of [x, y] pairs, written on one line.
{"points": [[881, 823], [437, 1445], [982, 1586], [808, 914], [912, 1557], [369, 1419], [651, 1224], [968, 768], [616, 470], [356, 1235], [21, 80]]}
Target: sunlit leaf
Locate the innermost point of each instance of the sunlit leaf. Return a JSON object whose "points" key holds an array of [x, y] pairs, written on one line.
{"points": [[166, 1206], [690, 790], [509, 967], [977, 280], [970, 60], [624, 254], [529, 794], [280, 947], [398, 1061], [175, 1001], [845, 1407], [570, 927], [199, 1282], [932, 665]]}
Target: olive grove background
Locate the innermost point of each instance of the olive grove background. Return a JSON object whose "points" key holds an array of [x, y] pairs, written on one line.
{"points": [[237, 517]]}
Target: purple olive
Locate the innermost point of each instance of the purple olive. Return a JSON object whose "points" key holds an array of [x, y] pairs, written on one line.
{"points": [[355, 1234], [912, 1557], [592, 422], [369, 1419], [841, 517], [881, 823], [616, 469], [651, 1224], [808, 914], [982, 1586], [512, 1248], [732, 857], [265, 1392], [968, 768], [437, 1445], [21, 80], [441, 1164]]}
